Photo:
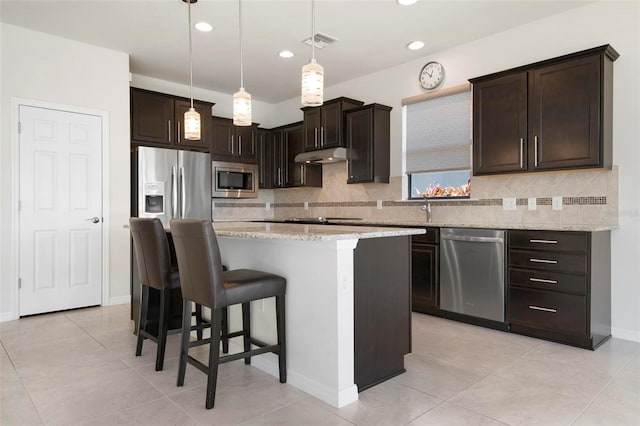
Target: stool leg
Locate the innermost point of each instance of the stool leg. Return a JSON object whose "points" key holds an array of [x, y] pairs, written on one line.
{"points": [[214, 356], [142, 319], [184, 347], [282, 338], [163, 327], [199, 320], [246, 329], [225, 330]]}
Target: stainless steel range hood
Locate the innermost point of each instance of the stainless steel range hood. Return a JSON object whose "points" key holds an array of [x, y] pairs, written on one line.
{"points": [[323, 156]]}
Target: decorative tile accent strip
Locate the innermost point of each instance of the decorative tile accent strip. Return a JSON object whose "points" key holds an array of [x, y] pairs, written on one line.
{"points": [[239, 205], [541, 201]]}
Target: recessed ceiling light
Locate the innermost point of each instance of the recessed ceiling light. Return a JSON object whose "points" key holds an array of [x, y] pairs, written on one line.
{"points": [[415, 45], [285, 54], [406, 2], [205, 27]]}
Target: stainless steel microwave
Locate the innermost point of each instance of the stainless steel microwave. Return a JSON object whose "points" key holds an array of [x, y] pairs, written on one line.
{"points": [[234, 180]]}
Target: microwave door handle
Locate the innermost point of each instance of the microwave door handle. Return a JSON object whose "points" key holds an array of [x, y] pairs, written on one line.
{"points": [[174, 194], [183, 194]]}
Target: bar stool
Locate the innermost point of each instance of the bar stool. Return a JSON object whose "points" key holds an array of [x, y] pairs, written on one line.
{"points": [[157, 271], [205, 283]]}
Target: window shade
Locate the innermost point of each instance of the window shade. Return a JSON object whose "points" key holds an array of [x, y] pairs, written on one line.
{"points": [[439, 134]]}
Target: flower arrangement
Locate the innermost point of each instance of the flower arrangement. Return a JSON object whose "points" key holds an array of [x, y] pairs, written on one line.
{"points": [[435, 190]]}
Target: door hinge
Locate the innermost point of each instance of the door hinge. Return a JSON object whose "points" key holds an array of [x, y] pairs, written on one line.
{"points": [[19, 127], [19, 283]]}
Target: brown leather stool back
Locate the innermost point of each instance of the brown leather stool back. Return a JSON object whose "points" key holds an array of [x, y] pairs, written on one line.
{"points": [[152, 252]]}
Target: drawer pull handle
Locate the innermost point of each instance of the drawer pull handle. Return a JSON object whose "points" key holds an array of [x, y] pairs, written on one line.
{"points": [[542, 280], [540, 308], [544, 241], [553, 262]]}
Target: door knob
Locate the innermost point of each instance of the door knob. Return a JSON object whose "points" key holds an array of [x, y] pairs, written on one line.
{"points": [[94, 219]]}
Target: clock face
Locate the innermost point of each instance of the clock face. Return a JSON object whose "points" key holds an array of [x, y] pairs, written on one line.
{"points": [[431, 75]]}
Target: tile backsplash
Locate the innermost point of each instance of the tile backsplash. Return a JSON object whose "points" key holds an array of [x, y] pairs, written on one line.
{"points": [[589, 197]]}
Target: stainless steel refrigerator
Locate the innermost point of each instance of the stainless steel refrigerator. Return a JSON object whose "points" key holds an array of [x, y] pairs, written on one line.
{"points": [[167, 184], [173, 184]]}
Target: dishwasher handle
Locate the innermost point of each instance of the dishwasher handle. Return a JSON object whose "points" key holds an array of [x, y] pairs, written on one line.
{"points": [[472, 239]]}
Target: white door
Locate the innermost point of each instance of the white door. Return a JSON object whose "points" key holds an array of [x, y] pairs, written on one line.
{"points": [[60, 210]]}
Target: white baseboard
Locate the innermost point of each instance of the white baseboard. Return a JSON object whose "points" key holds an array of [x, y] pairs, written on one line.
{"points": [[269, 364], [7, 316], [120, 300], [626, 334]]}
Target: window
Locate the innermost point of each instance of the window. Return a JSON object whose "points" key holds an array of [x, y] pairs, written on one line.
{"points": [[438, 151]]}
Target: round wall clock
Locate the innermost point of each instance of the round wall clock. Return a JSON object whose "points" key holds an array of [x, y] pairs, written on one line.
{"points": [[431, 75]]}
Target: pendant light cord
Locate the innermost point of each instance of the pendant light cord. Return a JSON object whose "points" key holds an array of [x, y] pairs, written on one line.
{"points": [[240, 31], [190, 58], [313, 30]]}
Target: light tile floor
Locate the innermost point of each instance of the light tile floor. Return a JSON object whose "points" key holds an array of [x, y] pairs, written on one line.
{"points": [[78, 368]]}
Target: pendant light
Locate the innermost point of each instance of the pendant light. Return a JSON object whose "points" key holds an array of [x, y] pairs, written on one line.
{"points": [[191, 117], [313, 72], [241, 99]]}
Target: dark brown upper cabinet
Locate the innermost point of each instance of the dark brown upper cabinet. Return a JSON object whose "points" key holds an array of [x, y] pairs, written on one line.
{"points": [[323, 125], [551, 115], [233, 143], [367, 133], [157, 120]]}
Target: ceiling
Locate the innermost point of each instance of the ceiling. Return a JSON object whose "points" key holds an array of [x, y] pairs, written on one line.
{"points": [[372, 35]]}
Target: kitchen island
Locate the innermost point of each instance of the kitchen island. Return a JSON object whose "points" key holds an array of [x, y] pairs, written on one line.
{"points": [[348, 301]]}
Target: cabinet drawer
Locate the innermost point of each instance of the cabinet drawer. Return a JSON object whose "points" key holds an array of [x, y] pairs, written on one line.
{"points": [[546, 280], [548, 310], [548, 261], [431, 237], [549, 240]]}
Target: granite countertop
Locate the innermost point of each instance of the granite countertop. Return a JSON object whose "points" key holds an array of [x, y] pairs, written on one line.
{"points": [[293, 231], [526, 226]]}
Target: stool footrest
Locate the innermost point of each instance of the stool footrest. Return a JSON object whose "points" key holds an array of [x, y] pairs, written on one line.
{"points": [[253, 352]]}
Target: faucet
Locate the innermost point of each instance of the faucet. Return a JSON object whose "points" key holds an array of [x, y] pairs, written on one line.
{"points": [[427, 208]]}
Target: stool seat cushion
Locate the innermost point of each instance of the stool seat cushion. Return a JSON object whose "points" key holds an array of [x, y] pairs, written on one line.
{"points": [[244, 285]]}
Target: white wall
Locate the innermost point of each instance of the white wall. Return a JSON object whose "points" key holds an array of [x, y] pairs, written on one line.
{"points": [[44, 68], [610, 22]]}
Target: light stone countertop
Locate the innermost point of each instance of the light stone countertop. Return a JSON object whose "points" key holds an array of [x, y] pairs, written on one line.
{"points": [[294, 231], [524, 226]]}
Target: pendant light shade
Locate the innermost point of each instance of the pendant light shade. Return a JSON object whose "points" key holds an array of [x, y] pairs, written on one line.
{"points": [[191, 117], [241, 99], [312, 83], [313, 72], [241, 108], [192, 125]]}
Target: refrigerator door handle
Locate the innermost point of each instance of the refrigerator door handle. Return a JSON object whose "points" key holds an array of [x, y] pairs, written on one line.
{"points": [[183, 195], [174, 193]]}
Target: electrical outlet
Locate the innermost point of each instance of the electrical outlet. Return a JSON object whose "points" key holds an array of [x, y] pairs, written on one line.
{"points": [[532, 204], [306, 205], [509, 203], [556, 203], [379, 204]]}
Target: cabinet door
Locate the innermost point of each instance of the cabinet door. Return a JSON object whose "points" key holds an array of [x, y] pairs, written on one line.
{"points": [[245, 139], [279, 159], [152, 119], [204, 143], [424, 278], [500, 125], [264, 151], [294, 143], [564, 115], [311, 126], [331, 125], [222, 132], [359, 145]]}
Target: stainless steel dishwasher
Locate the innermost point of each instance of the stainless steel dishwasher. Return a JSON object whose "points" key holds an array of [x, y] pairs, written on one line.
{"points": [[472, 272]]}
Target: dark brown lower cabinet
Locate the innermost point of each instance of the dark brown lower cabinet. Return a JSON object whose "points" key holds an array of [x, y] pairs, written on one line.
{"points": [[382, 309], [425, 272], [559, 286]]}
